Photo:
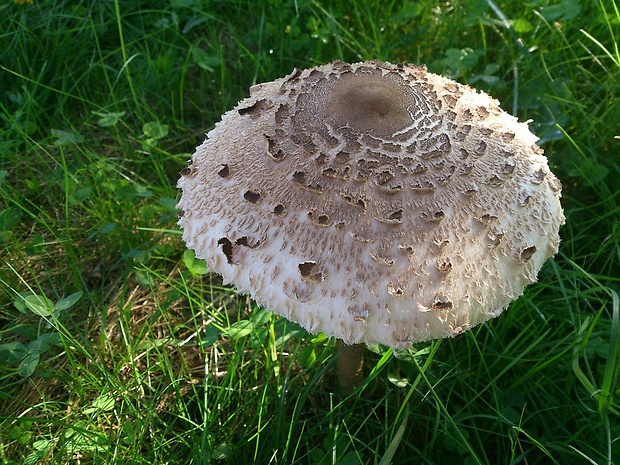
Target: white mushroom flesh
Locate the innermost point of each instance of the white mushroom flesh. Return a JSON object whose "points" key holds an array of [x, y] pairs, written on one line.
{"points": [[376, 203]]}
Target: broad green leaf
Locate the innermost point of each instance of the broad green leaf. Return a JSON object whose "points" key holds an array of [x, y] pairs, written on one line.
{"points": [[80, 438], [41, 448], [28, 126], [221, 451], [258, 336], [39, 305], [28, 365], [590, 171], [522, 26], [565, 10], [142, 191], [43, 444], [204, 60], [109, 119], [319, 338], [9, 218], [260, 317], [69, 301], [42, 343], [195, 265], [125, 190], [66, 137], [285, 330], [5, 236], [210, 337], [350, 458], [168, 203], [79, 195], [20, 301], [105, 229], [398, 381], [194, 22], [306, 356], [104, 403], [12, 351], [155, 130], [240, 329], [144, 278]]}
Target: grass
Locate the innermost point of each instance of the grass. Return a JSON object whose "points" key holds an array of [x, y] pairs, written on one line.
{"points": [[117, 347]]}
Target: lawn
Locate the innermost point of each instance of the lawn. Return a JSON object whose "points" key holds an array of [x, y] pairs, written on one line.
{"points": [[117, 346]]}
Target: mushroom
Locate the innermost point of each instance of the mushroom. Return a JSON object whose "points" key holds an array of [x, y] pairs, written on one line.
{"points": [[374, 202]]}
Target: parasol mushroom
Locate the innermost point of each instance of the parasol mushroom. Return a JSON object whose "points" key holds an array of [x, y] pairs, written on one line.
{"points": [[374, 202]]}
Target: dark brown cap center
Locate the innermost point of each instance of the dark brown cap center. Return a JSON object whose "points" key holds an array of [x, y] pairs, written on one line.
{"points": [[369, 103]]}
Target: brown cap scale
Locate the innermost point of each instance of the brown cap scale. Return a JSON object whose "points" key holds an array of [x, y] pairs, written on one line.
{"points": [[374, 202]]}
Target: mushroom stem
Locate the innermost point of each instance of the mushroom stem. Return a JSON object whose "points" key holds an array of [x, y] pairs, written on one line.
{"points": [[349, 366]]}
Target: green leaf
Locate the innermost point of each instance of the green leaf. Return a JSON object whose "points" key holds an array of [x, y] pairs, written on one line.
{"points": [[155, 130], [9, 218], [69, 301], [142, 191], [39, 305], [128, 432], [210, 337], [194, 22], [105, 229], [144, 278], [34, 245], [257, 337], [240, 329], [306, 356], [396, 440], [43, 444], [182, 3], [41, 447], [80, 194], [565, 10], [398, 381], [221, 451], [109, 119], [552, 12], [66, 137], [12, 351], [204, 60], [260, 317], [195, 265], [80, 438], [125, 190], [29, 127], [350, 458], [285, 330], [522, 26], [319, 338], [590, 171], [28, 365], [169, 204], [5, 236], [42, 343], [104, 403], [20, 301]]}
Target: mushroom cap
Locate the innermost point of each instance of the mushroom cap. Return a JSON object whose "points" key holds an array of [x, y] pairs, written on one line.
{"points": [[374, 202]]}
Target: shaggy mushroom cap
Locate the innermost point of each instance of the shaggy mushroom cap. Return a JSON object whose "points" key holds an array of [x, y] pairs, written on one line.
{"points": [[374, 202]]}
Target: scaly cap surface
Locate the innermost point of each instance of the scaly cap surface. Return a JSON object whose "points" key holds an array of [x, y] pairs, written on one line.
{"points": [[374, 202]]}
